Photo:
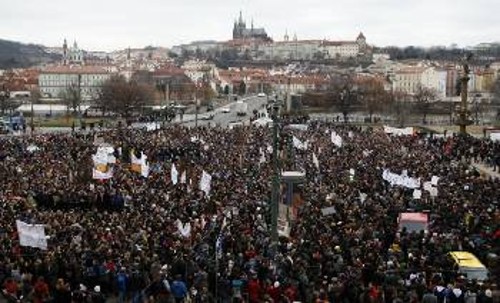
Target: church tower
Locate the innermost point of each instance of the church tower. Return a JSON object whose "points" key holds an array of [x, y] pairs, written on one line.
{"points": [[361, 41], [235, 30], [286, 37], [65, 52]]}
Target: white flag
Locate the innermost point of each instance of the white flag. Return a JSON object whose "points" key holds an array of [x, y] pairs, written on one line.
{"points": [[362, 197], [315, 161], [336, 139], [145, 169], [184, 229], [417, 194], [183, 177], [434, 180], [352, 172], [299, 144], [205, 181], [32, 235], [174, 174], [262, 156], [428, 186]]}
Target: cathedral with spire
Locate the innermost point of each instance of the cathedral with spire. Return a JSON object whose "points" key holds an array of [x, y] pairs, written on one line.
{"points": [[240, 31]]}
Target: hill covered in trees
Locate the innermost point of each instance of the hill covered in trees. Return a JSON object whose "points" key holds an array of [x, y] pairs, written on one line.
{"points": [[19, 55]]}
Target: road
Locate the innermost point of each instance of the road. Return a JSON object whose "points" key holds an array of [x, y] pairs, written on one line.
{"points": [[220, 118], [224, 119]]}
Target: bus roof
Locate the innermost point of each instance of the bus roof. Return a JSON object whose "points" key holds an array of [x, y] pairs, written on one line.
{"points": [[466, 259]]}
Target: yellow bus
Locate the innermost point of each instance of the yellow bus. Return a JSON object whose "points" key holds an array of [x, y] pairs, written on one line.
{"points": [[467, 264]]}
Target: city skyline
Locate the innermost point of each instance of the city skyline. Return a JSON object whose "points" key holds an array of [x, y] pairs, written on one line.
{"points": [[113, 25]]}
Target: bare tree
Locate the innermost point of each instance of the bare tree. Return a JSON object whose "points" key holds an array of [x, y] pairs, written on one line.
{"points": [[400, 105], [6, 102], [424, 97], [495, 102], [71, 98], [345, 93], [122, 96], [373, 96]]}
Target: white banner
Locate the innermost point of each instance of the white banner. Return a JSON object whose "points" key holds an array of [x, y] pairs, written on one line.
{"points": [[205, 181], [100, 175], [32, 235], [174, 174], [495, 136], [407, 131], [32, 148], [328, 211], [402, 180], [283, 228]]}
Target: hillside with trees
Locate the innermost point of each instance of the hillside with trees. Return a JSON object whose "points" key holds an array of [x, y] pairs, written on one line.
{"points": [[19, 55]]}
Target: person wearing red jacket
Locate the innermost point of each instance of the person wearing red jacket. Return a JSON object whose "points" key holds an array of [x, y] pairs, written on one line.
{"points": [[254, 289], [274, 291]]}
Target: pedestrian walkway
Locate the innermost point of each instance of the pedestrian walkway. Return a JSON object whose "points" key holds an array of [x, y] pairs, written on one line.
{"points": [[486, 170]]}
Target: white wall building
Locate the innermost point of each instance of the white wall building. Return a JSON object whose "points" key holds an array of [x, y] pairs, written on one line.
{"points": [[435, 79], [54, 81], [409, 78], [311, 49]]}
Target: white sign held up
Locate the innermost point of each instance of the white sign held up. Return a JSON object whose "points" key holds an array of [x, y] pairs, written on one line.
{"points": [[32, 235], [205, 181]]}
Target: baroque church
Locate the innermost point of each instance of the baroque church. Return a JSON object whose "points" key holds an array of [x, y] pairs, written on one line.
{"points": [[73, 55], [240, 31]]}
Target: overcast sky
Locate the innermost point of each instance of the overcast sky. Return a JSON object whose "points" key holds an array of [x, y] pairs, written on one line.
{"points": [[117, 24]]}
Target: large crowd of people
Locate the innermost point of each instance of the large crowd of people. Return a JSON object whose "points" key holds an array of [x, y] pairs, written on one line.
{"points": [[150, 239]]}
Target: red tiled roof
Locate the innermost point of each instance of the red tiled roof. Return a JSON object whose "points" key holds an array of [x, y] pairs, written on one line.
{"points": [[75, 69]]}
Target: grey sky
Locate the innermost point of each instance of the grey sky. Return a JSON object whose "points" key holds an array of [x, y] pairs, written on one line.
{"points": [[117, 24]]}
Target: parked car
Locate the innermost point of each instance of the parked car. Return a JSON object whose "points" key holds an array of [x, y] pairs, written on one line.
{"points": [[261, 95], [206, 117], [226, 109]]}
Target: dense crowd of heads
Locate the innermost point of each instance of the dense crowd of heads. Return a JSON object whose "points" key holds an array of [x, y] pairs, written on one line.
{"points": [[121, 236]]}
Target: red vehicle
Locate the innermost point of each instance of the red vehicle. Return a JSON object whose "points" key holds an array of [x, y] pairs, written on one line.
{"points": [[413, 222]]}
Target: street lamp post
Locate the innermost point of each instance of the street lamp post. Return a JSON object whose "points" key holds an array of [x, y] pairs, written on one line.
{"points": [[275, 183], [196, 113], [32, 114], [463, 120]]}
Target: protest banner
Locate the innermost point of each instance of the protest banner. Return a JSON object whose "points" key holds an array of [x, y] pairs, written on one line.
{"points": [[328, 211], [32, 235]]}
